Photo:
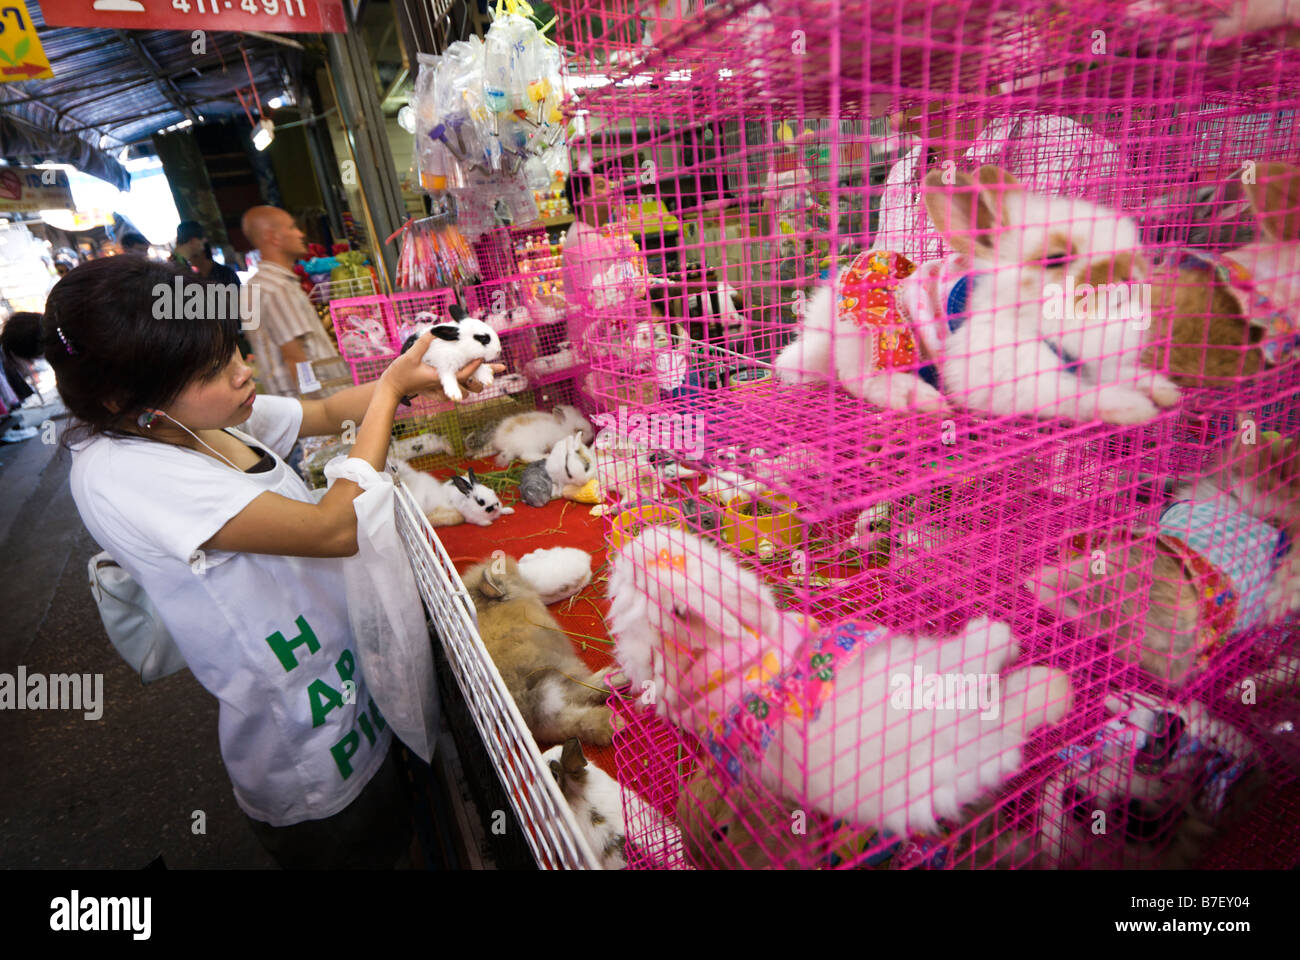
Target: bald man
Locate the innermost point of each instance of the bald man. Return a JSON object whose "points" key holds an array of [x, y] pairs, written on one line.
{"points": [[287, 330]]}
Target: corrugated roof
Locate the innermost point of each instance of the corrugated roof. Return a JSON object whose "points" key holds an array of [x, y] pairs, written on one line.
{"points": [[119, 87]]}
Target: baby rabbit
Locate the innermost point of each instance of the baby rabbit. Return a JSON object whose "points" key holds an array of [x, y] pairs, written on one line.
{"points": [[595, 799], [456, 342], [556, 694], [997, 319], [458, 500], [597, 803], [1220, 561], [530, 436], [701, 632], [569, 464], [1224, 316]]}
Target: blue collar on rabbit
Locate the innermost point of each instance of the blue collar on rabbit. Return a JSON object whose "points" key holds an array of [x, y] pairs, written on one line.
{"points": [[957, 314]]}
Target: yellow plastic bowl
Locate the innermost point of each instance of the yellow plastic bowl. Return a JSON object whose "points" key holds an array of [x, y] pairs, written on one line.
{"points": [[629, 523], [782, 529]]}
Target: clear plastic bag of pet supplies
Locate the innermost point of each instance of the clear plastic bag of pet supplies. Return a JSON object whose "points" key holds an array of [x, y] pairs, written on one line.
{"points": [[439, 168], [510, 62]]}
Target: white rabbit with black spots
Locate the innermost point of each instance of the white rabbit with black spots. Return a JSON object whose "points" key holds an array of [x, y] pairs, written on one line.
{"points": [[458, 500], [457, 341]]}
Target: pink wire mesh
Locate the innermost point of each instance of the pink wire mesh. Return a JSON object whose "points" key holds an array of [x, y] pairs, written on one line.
{"points": [[799, 536]]}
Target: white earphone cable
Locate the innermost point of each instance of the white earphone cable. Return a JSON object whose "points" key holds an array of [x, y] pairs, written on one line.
{"points": [[195, 436]]}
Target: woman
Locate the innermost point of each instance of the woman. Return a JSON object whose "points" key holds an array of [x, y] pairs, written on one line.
{"points": [[242, 566]]}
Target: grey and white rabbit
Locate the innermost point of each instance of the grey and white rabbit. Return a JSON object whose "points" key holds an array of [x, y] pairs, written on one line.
{"points": [[570, 463], [556, 694], [449, 502]]}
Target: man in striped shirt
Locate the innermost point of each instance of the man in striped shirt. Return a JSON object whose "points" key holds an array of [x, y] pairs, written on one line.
{"points": [[285, 330]]}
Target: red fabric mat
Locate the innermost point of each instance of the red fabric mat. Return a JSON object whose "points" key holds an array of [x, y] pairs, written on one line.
{"points": [[561, 523]]}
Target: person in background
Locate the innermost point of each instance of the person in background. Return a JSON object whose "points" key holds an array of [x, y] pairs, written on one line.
{"points": [[134, 243], [194, 253], [20, 344], [286, 331], [194, 250]]}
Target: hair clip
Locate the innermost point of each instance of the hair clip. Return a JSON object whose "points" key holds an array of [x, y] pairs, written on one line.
{"points": [[66, 345]]}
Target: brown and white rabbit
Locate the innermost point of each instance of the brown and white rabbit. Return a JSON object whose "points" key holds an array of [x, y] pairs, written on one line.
{"points": [[556, 694], [597, 803], [698, 630], [1013, 346], [1229, 530], [1225, 316]]}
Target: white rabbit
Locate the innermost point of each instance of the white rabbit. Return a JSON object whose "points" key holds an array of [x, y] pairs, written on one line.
{"points": [[422, 445], [692, 625], [457, 342], [557, 573], [530, 436], [998, 319], [447, 503], [477, 503]]}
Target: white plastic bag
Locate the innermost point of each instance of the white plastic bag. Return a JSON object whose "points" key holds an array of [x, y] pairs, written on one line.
{"points": [[386, 614]]}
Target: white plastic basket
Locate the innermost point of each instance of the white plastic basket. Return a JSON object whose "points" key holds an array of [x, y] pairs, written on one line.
{"points": [[328, 290], [540, 809]]}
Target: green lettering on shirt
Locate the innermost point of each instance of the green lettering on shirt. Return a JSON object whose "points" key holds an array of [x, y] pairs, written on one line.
{"points": [[344, 751], [324, 698], [364, 723], [346, 666], [284, 648]]}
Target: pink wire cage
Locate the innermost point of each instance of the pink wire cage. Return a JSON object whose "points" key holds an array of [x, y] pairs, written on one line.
{"points": [[956, 451]]}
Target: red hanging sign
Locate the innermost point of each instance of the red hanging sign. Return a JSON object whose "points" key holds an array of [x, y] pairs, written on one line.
{"points": [[269, 16]]}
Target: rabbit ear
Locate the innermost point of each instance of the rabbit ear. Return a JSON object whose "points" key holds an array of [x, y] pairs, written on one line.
{"points": [[572, 759], [472, 479], [1275, 197], [490, 587], [968, 213], [460, 484]]}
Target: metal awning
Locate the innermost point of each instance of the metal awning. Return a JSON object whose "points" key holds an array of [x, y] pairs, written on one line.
{"points": [[112, 88]]}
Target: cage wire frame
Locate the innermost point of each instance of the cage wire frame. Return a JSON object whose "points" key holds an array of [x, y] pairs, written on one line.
{"points": [[540, 809], [1108, 462]]}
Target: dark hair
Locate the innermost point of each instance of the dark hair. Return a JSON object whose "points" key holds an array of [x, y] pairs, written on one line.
{"points": [[578, 188], [107, 343], [21, 335], [133, 239], [188, 230]]}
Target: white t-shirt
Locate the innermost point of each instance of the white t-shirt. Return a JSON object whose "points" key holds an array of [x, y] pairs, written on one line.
{"points": [[268, 636]]}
